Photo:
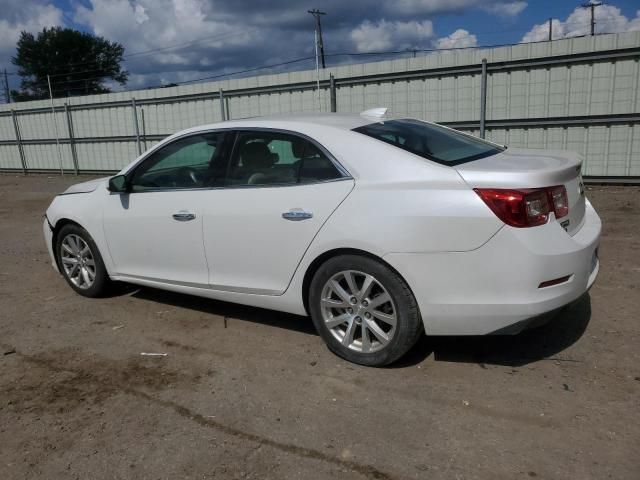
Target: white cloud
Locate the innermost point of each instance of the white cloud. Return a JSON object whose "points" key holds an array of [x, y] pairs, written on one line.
{"points": [[145, 25], [384, 35], [459, 39], [16, 16], [634, 25], [608, 18], [541, 32], [507, 9], [140, 14], [30, 17], [426, 7]]}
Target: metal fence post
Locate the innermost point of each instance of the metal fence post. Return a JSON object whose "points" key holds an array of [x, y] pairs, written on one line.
{"points": [[144, 128], [19, 140], [222, 112], [332, 93], [135, 124], [72, 141], [483, 97]]}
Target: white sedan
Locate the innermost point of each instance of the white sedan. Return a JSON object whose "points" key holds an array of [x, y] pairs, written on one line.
{"points": [[379, 228]]}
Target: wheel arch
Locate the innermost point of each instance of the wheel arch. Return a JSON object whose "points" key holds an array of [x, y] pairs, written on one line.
{"points": [[325, 256]]}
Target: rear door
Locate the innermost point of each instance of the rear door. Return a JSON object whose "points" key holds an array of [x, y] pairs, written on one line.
{"points": [[280, 189]]}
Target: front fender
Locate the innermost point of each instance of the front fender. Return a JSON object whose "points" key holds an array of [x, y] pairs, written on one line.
{"points": [[86, 210]]}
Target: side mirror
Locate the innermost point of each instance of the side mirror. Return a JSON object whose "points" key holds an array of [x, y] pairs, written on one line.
{"points": [[118, 184]]}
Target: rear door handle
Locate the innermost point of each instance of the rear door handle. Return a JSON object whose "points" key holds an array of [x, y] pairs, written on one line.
{"points": [[297, 214], [183, 216]]}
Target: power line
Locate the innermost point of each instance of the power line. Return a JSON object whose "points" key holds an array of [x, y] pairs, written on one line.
{"points": [[246, 71], [210, 77], [187, 44], [348, 54], [178, 46], [193, 42], [290, 62]]}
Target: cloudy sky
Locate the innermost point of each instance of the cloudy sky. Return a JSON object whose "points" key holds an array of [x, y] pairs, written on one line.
{"points": [[180, 40]]}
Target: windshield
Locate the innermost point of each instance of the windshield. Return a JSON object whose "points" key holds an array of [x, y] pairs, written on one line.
{"points": [[430, 141]]}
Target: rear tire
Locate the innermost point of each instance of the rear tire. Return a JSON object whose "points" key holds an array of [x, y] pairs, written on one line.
{"points": [[80, 262], [364, 311]]}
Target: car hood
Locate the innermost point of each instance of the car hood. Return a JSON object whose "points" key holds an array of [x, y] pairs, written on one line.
{"points": [[86, 187]]}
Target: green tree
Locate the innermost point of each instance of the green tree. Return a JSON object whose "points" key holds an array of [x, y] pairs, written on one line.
{"points": [[78, 63]]}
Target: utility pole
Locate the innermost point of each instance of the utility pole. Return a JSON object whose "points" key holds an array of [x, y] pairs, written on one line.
{"points": [[550, 29], [317, 72], [6, 87], [592, 5], [316, 14]]}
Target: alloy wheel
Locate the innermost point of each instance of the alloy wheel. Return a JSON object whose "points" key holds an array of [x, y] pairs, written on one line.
{"points": [[77, 261], [358, 311]]}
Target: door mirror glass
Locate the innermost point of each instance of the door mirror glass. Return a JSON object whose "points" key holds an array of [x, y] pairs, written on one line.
{"points": [[118, 184]]}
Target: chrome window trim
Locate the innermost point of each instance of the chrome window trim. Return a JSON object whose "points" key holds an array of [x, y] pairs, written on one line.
{"points": [[233, 187], [236, 131]]}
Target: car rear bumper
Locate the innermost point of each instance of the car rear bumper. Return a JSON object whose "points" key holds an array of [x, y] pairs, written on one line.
{"points": [[497, 286]]}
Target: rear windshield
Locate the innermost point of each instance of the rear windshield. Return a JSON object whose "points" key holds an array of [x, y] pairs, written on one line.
{"points": [[430, 141]]}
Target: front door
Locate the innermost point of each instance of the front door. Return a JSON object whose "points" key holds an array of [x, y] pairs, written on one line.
{"points": [[154, 231]]}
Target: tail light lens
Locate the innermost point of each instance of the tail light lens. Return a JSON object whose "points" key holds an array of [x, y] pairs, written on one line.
{"points": [[559, 200], [525, 207]]}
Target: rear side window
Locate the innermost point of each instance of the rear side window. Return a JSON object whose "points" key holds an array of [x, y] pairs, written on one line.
{"points": [[274, 158], [430, 141]]}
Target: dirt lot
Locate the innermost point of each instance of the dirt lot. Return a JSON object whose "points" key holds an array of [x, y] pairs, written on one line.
{"points": [[249, 393]]}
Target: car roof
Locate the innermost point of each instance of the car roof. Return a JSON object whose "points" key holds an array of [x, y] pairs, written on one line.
{"points": [[342, 121]]}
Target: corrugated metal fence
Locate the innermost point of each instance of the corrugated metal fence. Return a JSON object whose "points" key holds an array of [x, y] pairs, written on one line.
{"points": [[578, 94]]}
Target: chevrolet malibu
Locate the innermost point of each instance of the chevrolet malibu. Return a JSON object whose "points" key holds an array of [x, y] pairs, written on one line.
{"points": [[379, 228]]}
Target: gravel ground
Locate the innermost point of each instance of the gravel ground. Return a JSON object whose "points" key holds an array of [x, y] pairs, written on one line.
{"points": [[250, 393]]}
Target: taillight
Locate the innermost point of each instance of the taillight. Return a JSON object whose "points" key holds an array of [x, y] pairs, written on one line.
{"points": [[559, 200], [526, 207]]}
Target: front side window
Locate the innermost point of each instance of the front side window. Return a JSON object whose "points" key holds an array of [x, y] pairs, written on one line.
{"points": [[273, 158], [430, 141], [193, 162]]}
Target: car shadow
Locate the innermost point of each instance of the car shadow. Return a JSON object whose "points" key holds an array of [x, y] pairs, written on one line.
{"points": [[541, 343], [227, 310]]}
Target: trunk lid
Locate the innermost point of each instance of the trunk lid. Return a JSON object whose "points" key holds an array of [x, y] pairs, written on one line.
{"points": [[525, 168]]}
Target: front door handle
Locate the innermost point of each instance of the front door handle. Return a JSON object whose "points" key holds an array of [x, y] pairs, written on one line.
{"points": [[184, 216], [297, 214]]}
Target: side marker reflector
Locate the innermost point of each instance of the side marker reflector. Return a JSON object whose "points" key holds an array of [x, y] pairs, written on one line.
{"points": [[556, 281]]}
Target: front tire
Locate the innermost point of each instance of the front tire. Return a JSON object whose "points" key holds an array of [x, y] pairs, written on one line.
{"points": [[80, 262], [363, 310]]}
